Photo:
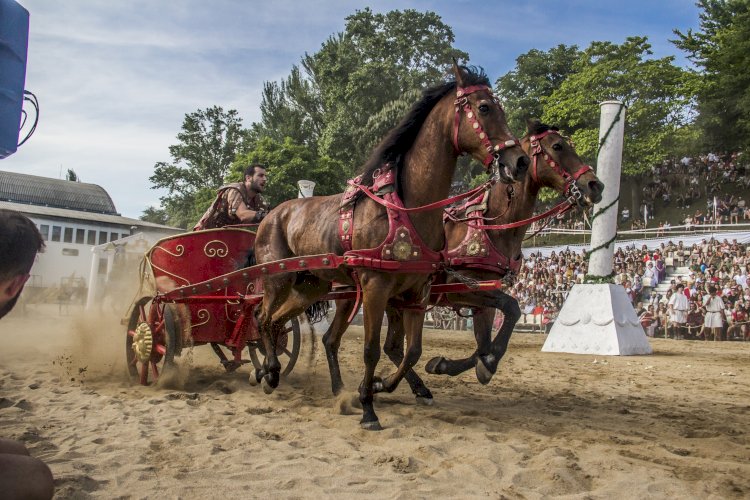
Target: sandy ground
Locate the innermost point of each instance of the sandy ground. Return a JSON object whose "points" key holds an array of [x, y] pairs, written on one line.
{"points": [[674, 424]]}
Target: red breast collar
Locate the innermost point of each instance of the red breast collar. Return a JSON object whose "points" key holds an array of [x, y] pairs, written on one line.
{"points": [[402, 246], [476, 250]]}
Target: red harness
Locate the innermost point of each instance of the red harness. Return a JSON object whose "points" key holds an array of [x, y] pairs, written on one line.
{"points": [[403, 250], [476, 250]]}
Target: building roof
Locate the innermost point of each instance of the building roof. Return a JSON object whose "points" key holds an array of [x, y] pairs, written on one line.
{"points": [[35, 210], [57, 193]]}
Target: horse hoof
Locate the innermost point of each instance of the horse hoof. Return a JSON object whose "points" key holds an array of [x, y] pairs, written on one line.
{"points": [[255, 377], [267, 388], [433, 365], [371, 426], [484, 375], [421, 400]]}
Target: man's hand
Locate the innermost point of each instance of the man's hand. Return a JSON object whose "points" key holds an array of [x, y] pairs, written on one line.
{"points": [[259, 215]]}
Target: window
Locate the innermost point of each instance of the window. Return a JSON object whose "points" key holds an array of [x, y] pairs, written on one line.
{"points": [[44, 229], [56, 230], [112, 236], [102, 269], [91, 237], [80, 236], [70, 252], [68, 235], [102, 237]]}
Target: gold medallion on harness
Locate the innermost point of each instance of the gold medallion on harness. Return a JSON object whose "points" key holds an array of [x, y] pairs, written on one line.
{"points": [[474, 248], [402, 250], [345, 226]]}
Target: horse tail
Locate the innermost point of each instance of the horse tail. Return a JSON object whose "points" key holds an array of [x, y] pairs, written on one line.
{"points": [[317, 311]]}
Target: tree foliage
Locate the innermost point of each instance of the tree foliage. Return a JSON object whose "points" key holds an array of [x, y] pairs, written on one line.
{"points": [[341, 99], [655, 91], [721, 48], [209, 141], [287, 163], [537, 74]]}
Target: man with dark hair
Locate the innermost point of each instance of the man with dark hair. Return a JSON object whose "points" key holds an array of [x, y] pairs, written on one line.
{"points": [[239, 202], [21, 475], [19, 243]]}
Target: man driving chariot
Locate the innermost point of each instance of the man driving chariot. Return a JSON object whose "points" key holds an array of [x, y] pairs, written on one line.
{"points": [[239, 202]]}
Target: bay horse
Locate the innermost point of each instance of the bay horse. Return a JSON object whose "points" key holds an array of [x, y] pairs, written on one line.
{"points": [[556, 165], [404, 179]]}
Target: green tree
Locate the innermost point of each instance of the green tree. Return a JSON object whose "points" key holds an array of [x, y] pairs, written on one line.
{"points": [[287, 163], [721, 48], [209, 142], [156, 215], [338, 99], [72, 176], [655, 92], [537, 74]]}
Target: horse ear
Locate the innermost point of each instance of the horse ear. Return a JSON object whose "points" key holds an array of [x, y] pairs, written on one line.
{"points": [[532, 123], [458, 73]]}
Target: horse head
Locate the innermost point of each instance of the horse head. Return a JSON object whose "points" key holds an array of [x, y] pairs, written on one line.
{"points": [[480, 128], [556, 164]]}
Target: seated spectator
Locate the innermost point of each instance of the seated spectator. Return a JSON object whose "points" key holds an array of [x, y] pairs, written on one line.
{"points": [[648, 320], [738, 323]]}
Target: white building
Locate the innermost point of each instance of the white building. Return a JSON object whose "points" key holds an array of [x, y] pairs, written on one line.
{"points": [[74, 218]]}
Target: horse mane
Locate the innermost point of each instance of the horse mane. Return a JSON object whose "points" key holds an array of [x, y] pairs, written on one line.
{"points": [[397, 142], [537, 127]]}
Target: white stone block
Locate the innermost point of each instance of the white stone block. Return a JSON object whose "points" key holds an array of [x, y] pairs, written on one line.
{"points": [[597, 319]]}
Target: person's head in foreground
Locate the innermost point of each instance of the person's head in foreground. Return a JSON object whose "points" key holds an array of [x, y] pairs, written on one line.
{"points": [[19, 243]]}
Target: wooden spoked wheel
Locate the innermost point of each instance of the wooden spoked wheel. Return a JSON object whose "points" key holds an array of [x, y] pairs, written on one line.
{"points": [[150, 343], [287, 348]]}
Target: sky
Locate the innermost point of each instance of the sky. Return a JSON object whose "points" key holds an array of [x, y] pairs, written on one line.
{"points": [[115, 79]]}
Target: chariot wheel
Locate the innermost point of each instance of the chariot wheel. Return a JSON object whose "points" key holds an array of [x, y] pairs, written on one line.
{"points": [[151, 340], [287, 348]]}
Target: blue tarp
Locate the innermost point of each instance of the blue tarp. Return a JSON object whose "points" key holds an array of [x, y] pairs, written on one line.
{"points": [[14, 42]]}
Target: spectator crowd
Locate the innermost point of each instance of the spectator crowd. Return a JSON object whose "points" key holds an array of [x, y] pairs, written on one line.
{"points": [[711, 301]]}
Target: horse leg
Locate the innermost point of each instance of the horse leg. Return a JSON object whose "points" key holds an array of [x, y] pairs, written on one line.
{"points": [[298, 298], [394, 349], [413, 322], [374, 300], [487, 363], [275, 292], [332, 342], [489, 353]]}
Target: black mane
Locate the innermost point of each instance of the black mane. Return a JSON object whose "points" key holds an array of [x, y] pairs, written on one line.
{"points": [[537, 127], [398, 141]]}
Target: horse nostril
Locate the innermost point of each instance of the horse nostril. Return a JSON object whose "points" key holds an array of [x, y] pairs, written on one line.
{"points": [[596, 187]]}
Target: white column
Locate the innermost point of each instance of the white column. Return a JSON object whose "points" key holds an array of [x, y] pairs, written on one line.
{"points": [[93, 292], [609, 167], [599, 318]]}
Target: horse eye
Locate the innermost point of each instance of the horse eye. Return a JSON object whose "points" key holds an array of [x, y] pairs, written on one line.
{"points": [[483, 108], [557, 146]]}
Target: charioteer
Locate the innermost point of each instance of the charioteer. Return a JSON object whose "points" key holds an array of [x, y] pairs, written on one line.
{"points": [[239, 202]]}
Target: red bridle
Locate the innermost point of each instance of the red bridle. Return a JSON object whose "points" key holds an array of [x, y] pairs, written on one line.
{"points": [[462, 102], [537, 149]]}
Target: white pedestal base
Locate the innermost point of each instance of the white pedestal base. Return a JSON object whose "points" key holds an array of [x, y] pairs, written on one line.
{"points": [[597, 319]]}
